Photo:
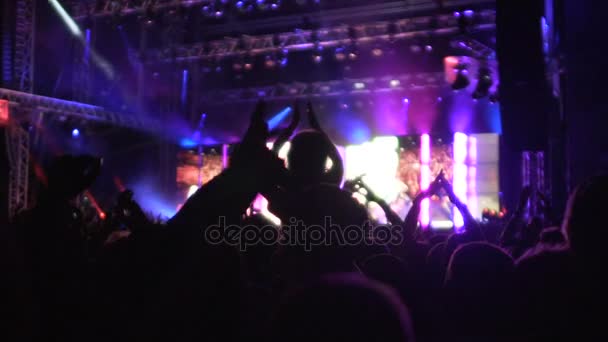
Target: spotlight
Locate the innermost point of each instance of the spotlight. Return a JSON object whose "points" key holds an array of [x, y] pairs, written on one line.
{"points": [[340, 54], [462, 80], [75, 133], [483, 84], [270, 62], [283, 58], [415, 48], [359, 85], [428, 48], [377, 52], [395, 83], [248, 63], [353, 55], [317, 54]]}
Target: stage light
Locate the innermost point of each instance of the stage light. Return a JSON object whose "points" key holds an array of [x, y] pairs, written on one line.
{"points": [[75, 133], [192, 190], [406, 100], [270, 62], [395, 83], [353, 55], [278, 118], [340, 54], [71, 24], [484, 83], [428, 48], [283, 57], [415, 48], [425, 178], [378, 160], [459, 178], [359, 85], [377, 52], [462, 80], [248, 63]]}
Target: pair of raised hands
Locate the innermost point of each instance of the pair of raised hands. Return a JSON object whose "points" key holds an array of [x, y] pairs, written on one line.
{"points": [[284, 135], [436, 185], [434, 188]]}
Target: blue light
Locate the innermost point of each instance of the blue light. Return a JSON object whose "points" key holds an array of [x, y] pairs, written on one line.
{"points": [[187, 143], [184, 93], [75, 133], [277, 119]]}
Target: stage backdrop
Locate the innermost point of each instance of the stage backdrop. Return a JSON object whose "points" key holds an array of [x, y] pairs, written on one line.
{"points": [[396, 168]]}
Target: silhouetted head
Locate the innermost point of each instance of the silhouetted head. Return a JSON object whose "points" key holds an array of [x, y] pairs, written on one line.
{"points": [[479, 287], [343, 307], [478, 265], [307, 156], [584, 215]]}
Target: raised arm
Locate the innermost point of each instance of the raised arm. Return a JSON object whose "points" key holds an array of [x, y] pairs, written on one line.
{"points": [[471, 225]]}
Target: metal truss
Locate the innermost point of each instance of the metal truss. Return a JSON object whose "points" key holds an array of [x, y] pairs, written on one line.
{"points": [[24, 44], [325, 37], [18, 151], [473, 47], [78, 110], [327, 89], [105, 8]]}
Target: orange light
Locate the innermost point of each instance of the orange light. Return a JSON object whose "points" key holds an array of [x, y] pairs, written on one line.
{"points": [[4, 113]]}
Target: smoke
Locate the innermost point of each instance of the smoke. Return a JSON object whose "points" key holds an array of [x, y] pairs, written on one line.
{"points": [[151, 198]]}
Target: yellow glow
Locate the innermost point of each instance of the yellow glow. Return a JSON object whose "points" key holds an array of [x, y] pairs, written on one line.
{"points": [[378, 160]]}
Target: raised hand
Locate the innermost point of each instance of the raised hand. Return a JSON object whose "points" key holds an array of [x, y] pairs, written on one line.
{"points": [[254, 139]]}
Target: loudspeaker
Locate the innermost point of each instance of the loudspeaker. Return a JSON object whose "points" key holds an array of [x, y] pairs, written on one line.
{"points": [[524, 91]]}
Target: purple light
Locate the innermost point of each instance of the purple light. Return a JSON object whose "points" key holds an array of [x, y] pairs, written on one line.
{"points": [[457, 14], [406, 100], [472, 179], [75, 133], [425, 178], [225, 155], [459, 182], [468, 13]]}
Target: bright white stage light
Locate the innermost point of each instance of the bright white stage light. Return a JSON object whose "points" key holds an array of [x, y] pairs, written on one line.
{"points": [[378, 160], [191, 190], [72, 26]]}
